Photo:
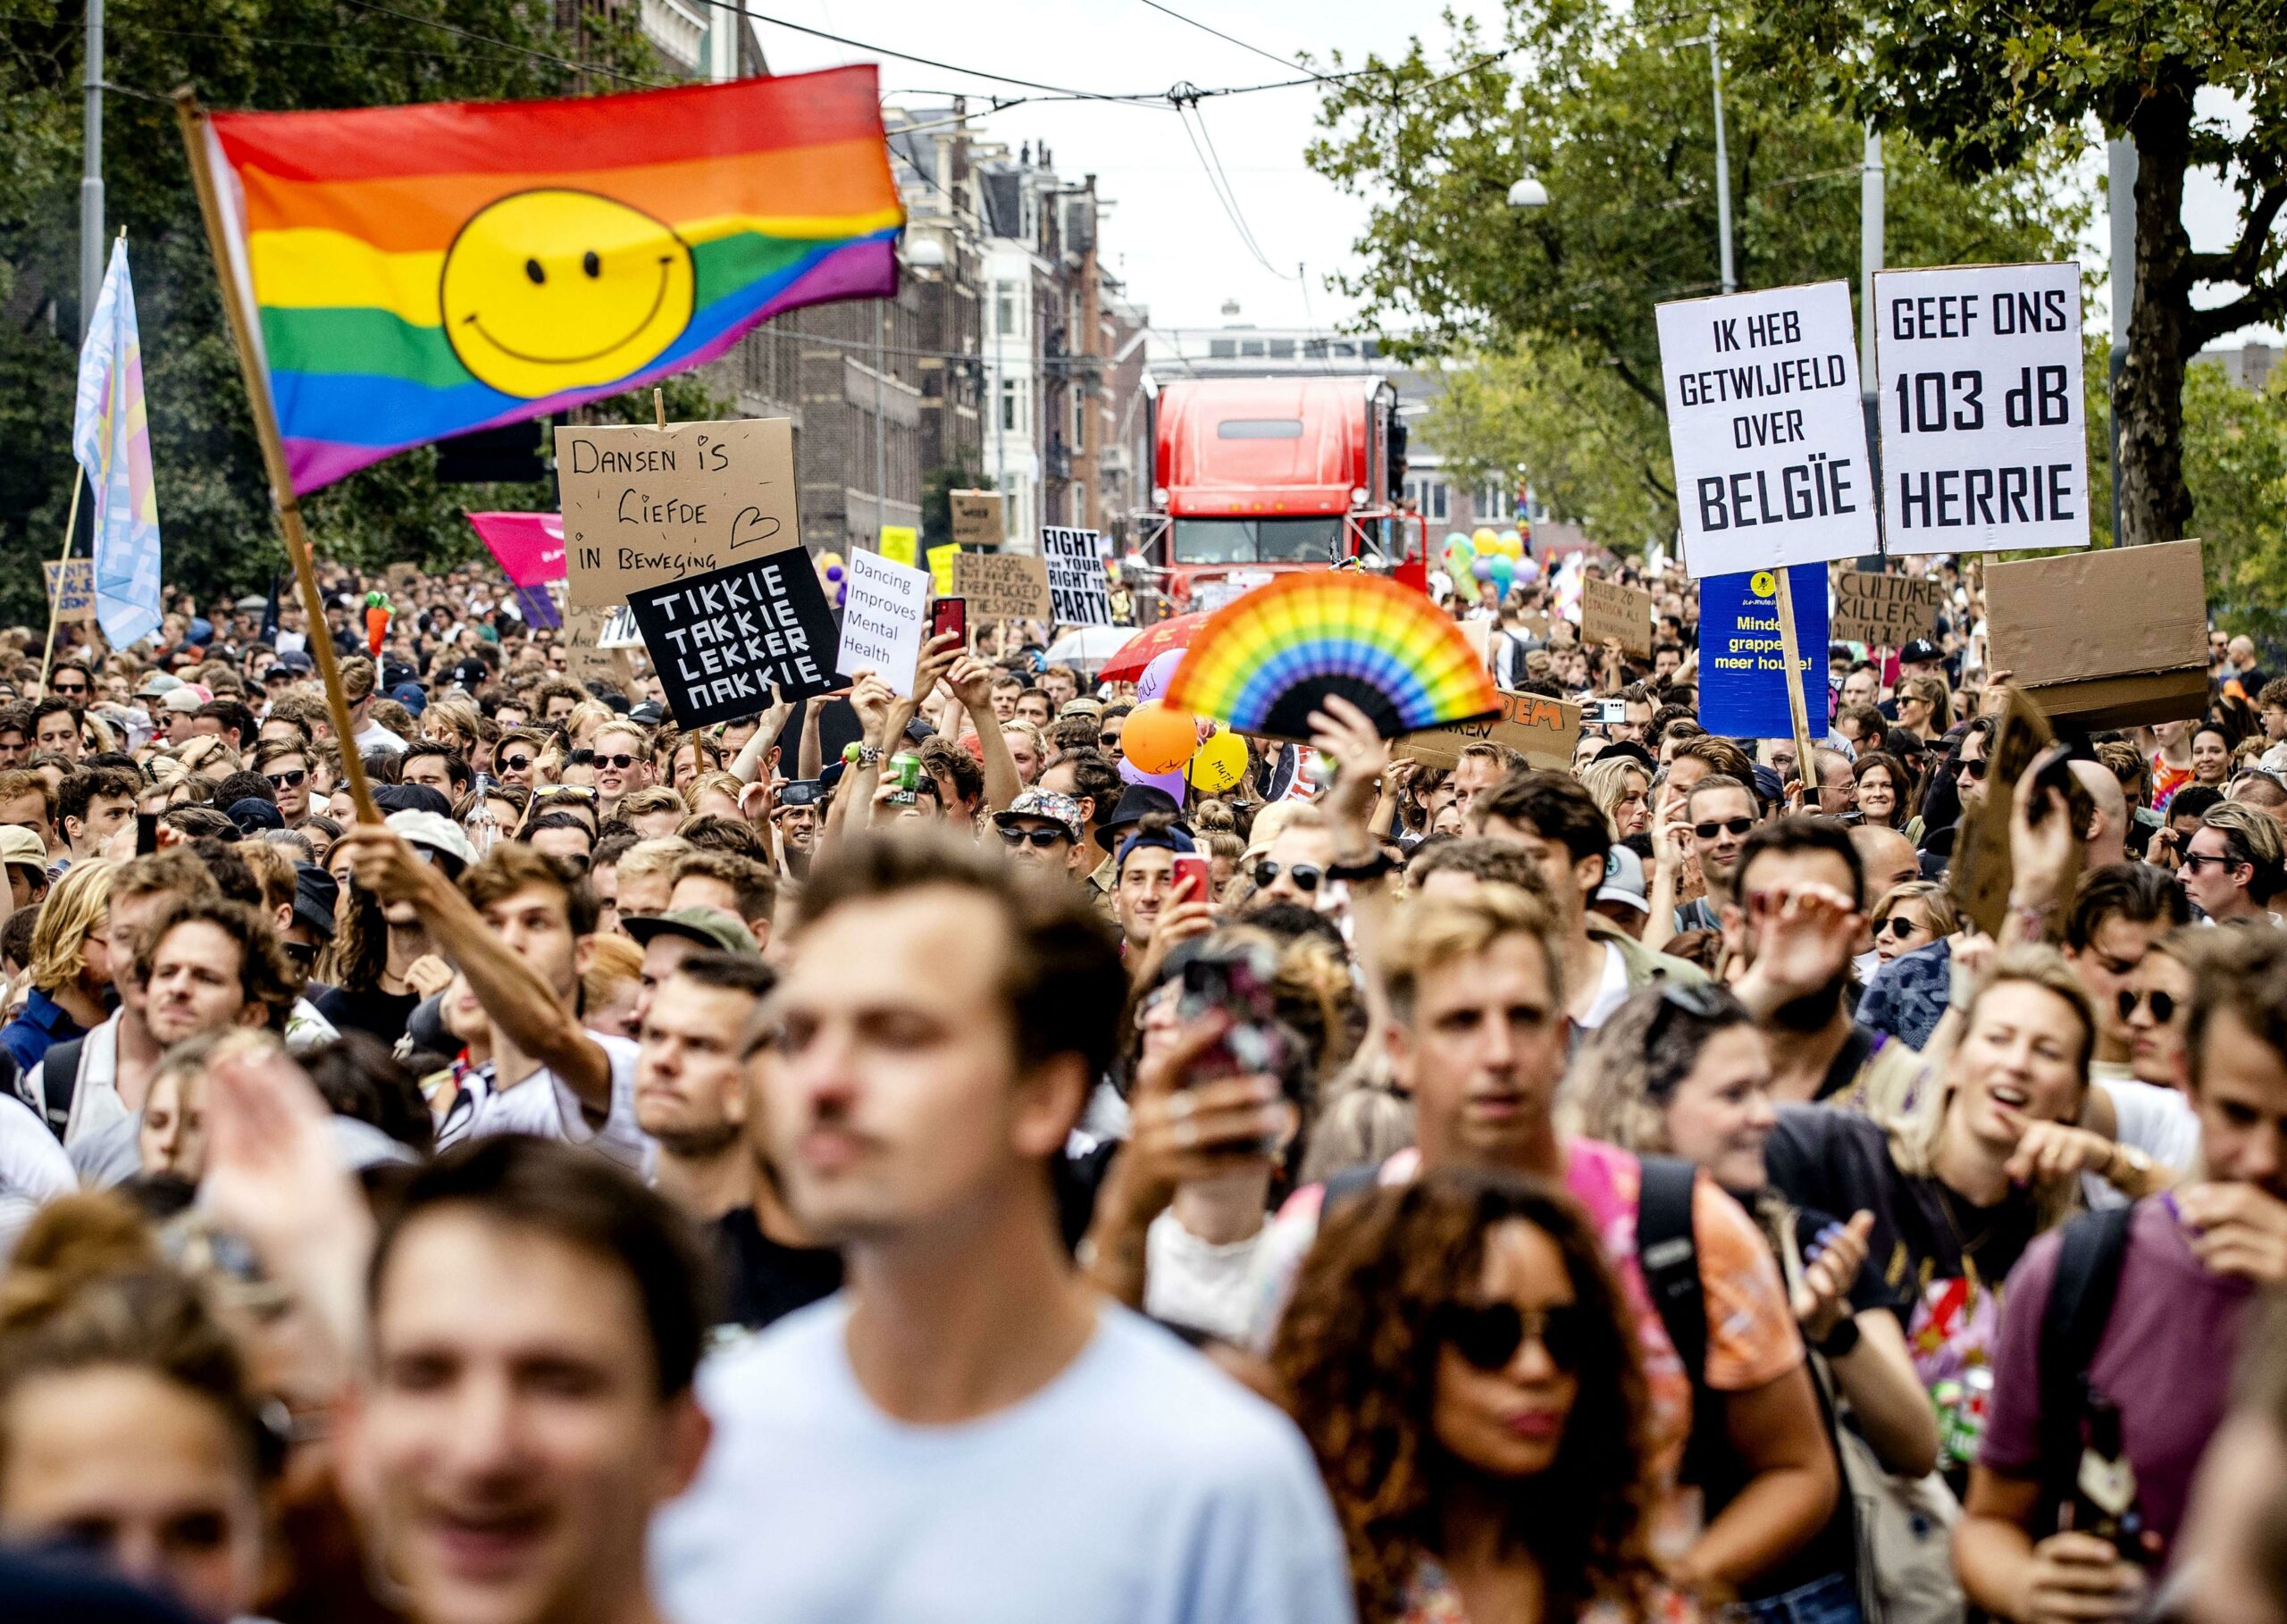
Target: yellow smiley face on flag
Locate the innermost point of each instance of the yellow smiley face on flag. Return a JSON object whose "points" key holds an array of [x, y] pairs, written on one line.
{"points": [[557, 290]]}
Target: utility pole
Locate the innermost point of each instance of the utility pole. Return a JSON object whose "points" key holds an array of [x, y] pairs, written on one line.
{"points": [[881, 427], [91, 173], [2120, 196]]}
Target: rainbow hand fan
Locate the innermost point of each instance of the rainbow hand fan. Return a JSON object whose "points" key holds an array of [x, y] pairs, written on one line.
{"points": [[1265, 661]]}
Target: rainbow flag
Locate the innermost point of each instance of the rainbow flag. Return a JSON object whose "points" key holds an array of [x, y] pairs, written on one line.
{"points": [[417, 272], [111, 437]]}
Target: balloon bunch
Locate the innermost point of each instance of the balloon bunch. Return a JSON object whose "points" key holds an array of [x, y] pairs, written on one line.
{"points": [[833, 575], [1498, 557], [1164, 746]]}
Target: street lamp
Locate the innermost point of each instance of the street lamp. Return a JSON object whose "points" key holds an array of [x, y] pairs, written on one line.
{"points": [[1527, 192]]}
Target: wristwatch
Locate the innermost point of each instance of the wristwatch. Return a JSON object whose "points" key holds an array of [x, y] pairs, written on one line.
{"points": [[1842, 1341], [2127, 1167], [861, 755]]}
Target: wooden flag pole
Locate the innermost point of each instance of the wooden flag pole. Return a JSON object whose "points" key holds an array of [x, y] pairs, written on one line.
{"points": [[55, 598], [193, 121], [1806, 766]]}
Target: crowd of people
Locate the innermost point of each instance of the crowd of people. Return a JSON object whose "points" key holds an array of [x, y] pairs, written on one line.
{"points": [[880, 1161]]}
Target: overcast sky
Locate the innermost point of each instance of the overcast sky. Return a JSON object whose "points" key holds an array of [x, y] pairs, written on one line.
{"points": [[1166, 235]]}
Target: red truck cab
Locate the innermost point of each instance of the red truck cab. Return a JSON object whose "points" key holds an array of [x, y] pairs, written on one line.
{"points": [[1254, 476]]}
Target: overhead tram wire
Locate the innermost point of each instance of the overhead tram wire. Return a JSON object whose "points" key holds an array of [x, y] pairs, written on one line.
{"points": [[1168, 11]]}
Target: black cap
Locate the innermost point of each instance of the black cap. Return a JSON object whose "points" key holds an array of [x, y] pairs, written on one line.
{"points": [[253, 814], [411, 798], [314, 895], [1136, 803], [1921, 651], [471, 673]]}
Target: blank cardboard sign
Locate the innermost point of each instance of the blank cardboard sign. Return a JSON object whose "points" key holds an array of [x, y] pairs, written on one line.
{"points": [[2116, 637]]}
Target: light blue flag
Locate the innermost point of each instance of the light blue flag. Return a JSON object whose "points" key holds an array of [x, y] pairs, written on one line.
{"points": [[110, 436]]}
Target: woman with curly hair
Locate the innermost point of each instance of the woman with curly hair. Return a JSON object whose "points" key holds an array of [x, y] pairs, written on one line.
{"points": [[1464, 1368]]}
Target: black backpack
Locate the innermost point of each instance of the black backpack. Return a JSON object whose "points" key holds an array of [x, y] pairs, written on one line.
{"points": [[59, 1085], [2088, 1261]]}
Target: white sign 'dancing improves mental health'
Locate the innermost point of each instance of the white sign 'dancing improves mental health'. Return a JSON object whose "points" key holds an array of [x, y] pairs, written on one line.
{"points": [[1985, 432], [1765, 424], [881, 620]]}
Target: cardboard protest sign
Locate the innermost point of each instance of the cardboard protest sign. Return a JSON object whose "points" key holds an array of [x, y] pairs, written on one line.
{"points": [[901, 543], [401, 575], [1985, 434], [645, 505], [1883, 610], [585, 658], [1979, 876], [1742, 682], [2116, 637], [977, 518], [941, 568], [1764, 422], [619, 630], [1079, 592], [881, 620], [79, 577], [720, 641], [1610, 610], [1543, 731], [1002, 586]]}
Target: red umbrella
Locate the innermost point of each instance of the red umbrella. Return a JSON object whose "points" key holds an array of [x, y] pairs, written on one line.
{"points": [[1148, 645]]}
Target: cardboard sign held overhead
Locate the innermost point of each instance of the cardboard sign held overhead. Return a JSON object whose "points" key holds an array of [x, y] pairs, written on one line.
{"points": [[881, 620], [941, 568], [1544, 732], [2116, 637], [977, 518], [585, 658], [1002, 586], [401, 575], [645, 505], [79, 575], [1765, 421], [901, 543], [1079, 591], [1885, 611], [1985, 432], [1624, 613], [720, 641]]}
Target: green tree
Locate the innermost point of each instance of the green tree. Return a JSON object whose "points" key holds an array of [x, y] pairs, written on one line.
{"points": [[214, 510], [1985, 86], [1617, 120], [2235, 463]]}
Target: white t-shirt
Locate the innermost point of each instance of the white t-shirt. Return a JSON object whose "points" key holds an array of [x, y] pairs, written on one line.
{"points": [[1140, 1486], [1205, 1285], [1612, 990], [374, 736], [543, 1104], [2158, 1121], [34, 1171]]}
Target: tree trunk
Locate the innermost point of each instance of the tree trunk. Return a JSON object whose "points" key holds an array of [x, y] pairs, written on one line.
{"points": [[2148, 404]]}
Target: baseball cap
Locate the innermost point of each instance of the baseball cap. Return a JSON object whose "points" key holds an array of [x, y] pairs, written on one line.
{"points": [[1921, 651], [708, 927], [412, 696], [433, 831], [183, 697], [1045, 804], [253, 814], [278, 673], [395, 798], [22, 845], [158, 684], [470, 674], [648, 713], [1624, 880]]}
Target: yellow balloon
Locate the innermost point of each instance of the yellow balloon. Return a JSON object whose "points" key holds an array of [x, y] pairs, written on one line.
{"points": [[1219, 764], [1483, 538]]}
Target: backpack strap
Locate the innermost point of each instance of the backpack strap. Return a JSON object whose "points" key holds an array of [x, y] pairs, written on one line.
{"points": [[2088, 1261], [1667, 1251], [60, 1083]]}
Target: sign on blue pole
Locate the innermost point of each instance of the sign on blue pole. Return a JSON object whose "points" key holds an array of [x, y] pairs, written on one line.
{"points": [[1742, 685]]}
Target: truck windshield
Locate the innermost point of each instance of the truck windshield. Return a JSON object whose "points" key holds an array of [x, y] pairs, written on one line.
{"points": [[1300, 540]]}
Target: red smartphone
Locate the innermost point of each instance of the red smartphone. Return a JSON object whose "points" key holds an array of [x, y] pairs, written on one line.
{"points": [[1192, 866], [950, 615]]}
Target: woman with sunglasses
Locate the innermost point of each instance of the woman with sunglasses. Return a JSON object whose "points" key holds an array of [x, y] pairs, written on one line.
{"points": [[1925, 707], [2153, 1006], [1682, 1070], [1990, 1157], [1911, 916], [1463, 1367]]}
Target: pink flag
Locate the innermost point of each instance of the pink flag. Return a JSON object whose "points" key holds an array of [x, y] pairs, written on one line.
{"points": [[530, 546]]}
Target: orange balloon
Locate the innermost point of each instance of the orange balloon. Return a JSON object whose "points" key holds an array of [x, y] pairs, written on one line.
{"points": [[1157, 740]]}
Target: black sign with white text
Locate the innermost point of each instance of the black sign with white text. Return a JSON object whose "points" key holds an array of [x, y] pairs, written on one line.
{"points": [[721, 640]]}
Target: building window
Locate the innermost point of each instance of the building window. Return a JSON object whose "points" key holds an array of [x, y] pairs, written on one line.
{"points": [[1222, 349], [1250, 348], [1434, 498], [1009, 411], [1004, 299], [1345, 349], [1281, 349], [1314, 349], [1080, 422]]}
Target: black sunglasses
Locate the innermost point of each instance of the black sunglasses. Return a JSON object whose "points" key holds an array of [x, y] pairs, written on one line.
{"points": [[1042, 838], [1305, 876], [1489, 1335], [1897, 925], [1971, 769], [2163, 1004], [287, 781], [1729, 825], [514, 764], [623, 761], [75, 690]]}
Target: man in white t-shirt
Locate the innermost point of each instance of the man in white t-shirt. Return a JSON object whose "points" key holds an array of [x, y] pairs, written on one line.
{"points": [[360, 682], [970, 1431], [516, 926]]}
